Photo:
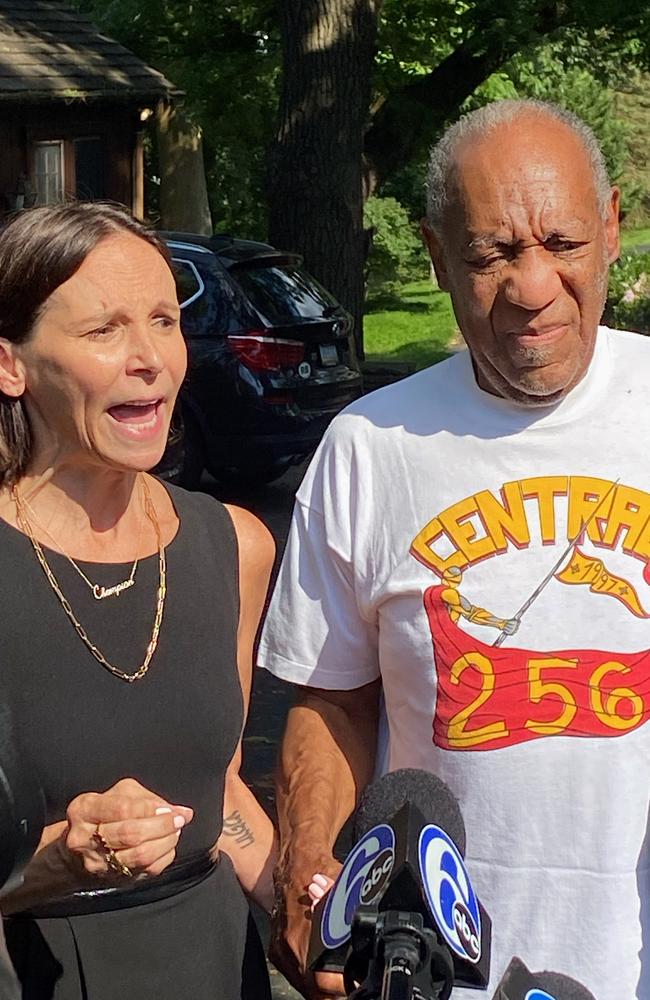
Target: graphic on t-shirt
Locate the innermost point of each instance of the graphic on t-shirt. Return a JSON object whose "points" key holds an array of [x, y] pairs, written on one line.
{"points": [[490, 697]]}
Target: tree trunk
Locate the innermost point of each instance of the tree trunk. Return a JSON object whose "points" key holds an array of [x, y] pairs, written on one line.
{"points": [[316, 182], [183, 191]]}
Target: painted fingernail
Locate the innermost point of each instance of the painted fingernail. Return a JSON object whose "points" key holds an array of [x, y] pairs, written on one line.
{"points": [[316, 891], [179, 822], [321, 880], [163, 809]]}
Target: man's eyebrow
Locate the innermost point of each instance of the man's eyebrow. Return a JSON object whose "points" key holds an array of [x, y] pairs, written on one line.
{"points": [[487, 242], [571, 227]]}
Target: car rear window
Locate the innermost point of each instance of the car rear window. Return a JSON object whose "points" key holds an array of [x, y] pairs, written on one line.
{"points": [[284, 294], [211, 303], [189, 283]]}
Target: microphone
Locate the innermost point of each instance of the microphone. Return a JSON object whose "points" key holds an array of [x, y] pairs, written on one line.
{"points": [[520, 984], [403, 897]]}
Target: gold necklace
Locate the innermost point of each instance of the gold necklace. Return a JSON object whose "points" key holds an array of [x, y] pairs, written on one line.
{"points": [[150, 511], [99, 592]]}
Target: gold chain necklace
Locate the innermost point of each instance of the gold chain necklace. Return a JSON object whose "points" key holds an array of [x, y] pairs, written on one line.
{"points": [[98, 592], [150, 511]]}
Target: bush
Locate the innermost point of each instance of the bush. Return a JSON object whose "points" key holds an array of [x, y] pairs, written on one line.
{"points": [[628, 297], [396, 253]]}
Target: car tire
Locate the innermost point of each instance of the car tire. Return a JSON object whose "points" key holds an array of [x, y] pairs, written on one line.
{"points": [[193, 454]]}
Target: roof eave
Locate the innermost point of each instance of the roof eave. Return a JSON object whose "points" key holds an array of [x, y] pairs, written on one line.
{"points": [[89, 96]]}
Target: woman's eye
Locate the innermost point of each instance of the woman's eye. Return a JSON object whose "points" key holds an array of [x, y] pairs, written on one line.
{"points": [[101, 331]]}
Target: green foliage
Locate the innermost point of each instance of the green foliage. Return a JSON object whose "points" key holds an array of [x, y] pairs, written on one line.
{"points": [[225, 57], [397, 254], [632, 101], [628, 299]]}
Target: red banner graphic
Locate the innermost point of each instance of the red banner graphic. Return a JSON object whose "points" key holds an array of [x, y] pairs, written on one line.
{"points": [[490, 697]]}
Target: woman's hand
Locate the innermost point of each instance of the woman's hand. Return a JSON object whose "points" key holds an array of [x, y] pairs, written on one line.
{"points": [[128, 824], [319, 886], [291, 930]]}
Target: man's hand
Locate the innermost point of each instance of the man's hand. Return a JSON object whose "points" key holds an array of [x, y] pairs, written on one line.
{"points": [[509, 625], [326, 760], [291, 932], [141, 829]]}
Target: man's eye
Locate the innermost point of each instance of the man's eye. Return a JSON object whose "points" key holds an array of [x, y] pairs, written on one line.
{"points": [[557, 245], [486, 263]]}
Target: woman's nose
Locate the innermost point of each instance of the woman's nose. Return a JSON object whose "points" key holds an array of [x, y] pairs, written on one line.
{"points": [[145, 356]]}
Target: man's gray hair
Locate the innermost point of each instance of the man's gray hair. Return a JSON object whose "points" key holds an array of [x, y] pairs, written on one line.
{"points": [[484, 120]]}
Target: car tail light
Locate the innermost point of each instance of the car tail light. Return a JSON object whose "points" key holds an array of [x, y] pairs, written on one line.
{"points": [[262, 353]]}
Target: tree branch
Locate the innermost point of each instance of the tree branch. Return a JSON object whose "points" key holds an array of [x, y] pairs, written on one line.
{"points": [[410, 118]]}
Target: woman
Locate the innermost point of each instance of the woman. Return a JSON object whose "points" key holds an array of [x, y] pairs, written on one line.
{"points": [[127, 609]]}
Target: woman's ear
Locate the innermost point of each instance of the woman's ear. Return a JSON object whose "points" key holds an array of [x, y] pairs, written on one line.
{"points": [[12, 370]]}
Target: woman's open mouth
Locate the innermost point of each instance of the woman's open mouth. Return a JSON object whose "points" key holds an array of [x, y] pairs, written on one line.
{"points": [[138, 419]]}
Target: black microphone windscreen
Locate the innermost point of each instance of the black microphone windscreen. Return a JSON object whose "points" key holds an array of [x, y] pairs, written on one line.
{"points": [[429, 794], [562, 987]]}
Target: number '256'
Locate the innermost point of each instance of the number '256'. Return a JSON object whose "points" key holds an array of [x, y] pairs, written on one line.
{"points": [[618, 708]]}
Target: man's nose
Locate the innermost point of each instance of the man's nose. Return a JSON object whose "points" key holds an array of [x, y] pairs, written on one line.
{"points": [[533, 280]]}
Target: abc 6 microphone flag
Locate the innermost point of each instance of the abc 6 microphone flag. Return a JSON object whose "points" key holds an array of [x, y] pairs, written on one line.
{"points": [[407, 863]]}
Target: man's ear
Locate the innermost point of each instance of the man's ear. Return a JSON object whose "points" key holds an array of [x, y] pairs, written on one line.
{"points": [[436, 253], [612, 235], [12, 370]]}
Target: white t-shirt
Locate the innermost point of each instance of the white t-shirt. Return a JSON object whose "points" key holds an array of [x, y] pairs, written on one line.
{"points": [[543, 738]]}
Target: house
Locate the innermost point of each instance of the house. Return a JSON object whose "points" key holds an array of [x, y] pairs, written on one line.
{"points": [[73, 104]]}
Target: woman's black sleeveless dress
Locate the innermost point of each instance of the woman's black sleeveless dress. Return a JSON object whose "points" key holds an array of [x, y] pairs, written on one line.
{"points": [[174, 730]]}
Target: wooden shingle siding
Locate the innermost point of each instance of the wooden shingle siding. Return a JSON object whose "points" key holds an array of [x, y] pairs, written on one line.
{"points": [[48, 51]]}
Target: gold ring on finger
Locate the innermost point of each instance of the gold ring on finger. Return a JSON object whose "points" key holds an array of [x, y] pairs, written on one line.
{"points": [[113, 863]]}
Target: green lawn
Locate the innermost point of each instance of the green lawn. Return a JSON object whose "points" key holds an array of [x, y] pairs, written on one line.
{"points": [[634, 238], [415, 325]]}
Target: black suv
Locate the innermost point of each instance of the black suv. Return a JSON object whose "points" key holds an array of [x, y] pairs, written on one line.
{"points": [[271, 358]]}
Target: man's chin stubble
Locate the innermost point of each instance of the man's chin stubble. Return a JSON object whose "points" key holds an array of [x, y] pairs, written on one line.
{"points": [[531, 388]]}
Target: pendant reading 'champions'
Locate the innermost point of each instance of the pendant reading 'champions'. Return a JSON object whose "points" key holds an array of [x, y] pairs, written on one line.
{"points": [[99, 593]]}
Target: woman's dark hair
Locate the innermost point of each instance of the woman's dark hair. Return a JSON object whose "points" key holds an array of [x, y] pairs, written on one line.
{"points": [[40, 249]]}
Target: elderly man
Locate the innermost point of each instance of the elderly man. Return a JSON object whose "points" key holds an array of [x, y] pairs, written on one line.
{"points": [[520, 465]]}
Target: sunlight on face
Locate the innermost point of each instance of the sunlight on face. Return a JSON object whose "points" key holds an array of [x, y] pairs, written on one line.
{"points": [[525, 257], [106, 359]]}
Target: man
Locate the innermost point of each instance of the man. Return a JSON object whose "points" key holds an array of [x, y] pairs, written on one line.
{"points": [[520, 464]]}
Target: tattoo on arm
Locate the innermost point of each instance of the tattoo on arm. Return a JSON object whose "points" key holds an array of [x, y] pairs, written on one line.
{"points": [[235, 826]]}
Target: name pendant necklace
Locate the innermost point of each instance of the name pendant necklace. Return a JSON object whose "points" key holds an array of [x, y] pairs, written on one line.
{"points": [[98, 591]]}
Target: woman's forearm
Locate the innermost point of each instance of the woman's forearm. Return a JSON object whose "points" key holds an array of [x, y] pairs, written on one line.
{"points": [[249, 838]]}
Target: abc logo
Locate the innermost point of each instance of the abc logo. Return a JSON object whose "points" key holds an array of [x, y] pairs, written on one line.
{"points": [[449, 893], [466, 930], [538, 995], [361, 879], [377, 876]]}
